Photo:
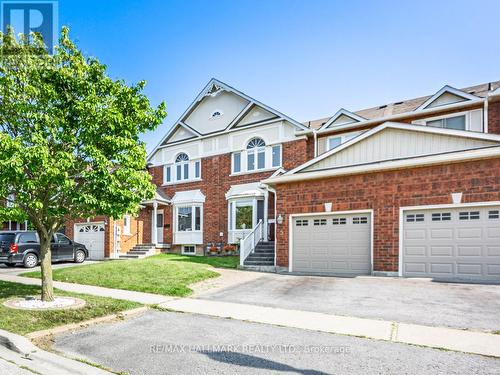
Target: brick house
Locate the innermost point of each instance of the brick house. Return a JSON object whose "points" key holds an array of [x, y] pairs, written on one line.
{"points": [[410, 188]]}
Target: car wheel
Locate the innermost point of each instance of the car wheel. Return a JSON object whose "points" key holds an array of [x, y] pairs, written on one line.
{"points": [[79, 256], [30, 260]]}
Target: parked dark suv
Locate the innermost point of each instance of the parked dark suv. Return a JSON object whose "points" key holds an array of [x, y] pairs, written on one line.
{"points": [[24, 247]]}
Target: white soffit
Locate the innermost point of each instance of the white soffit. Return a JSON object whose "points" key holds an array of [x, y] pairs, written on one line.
{"points": [[245, 190], [190, 196]]}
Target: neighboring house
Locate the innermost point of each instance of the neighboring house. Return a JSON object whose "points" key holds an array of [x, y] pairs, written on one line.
{"points": [[410, 188]]}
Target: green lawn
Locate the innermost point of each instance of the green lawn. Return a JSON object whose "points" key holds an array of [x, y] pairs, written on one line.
{"points": [[167, 274], [24, 321]]}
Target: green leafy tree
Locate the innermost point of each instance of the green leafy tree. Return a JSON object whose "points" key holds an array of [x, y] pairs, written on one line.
{"points": [[69, 139]]}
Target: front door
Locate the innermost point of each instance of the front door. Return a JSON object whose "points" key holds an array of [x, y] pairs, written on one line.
{"points": [[159, 226]]}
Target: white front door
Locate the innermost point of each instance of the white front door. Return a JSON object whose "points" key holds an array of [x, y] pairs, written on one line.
{"points": [[159, 226]]}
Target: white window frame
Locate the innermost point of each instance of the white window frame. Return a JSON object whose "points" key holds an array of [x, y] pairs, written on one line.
{"points": [[344, 137], [173, 172], [268, 159], [193, 218], [424, 121], [184, 252], [126, 225]]}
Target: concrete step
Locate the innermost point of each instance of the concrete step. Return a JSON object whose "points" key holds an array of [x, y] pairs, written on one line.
{"points": [[259, 263], [128, 256]]}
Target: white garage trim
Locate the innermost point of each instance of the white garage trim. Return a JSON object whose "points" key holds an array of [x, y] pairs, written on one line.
{"points": [[430, 207], [332, 213]]}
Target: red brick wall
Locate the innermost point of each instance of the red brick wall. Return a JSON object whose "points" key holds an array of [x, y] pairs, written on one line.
{"points": [[216, 181], [385, 192], [494, 117]]}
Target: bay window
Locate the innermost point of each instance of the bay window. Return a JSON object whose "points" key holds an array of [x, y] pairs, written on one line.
{"points": [[244, 214], [188, 218]]}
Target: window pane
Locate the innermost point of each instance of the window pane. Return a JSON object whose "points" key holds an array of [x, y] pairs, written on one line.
{"points": [[244, 217], [186, 171], [251, 161], [27, 238], [184, 219], [261, 159], [260, 210], [63, 240], [435, 123], [197, 169], [168, 176], [159, 220], [197, 218], [455, 123], [179, 172], [237, 162], [276, 156], [334, 142]]}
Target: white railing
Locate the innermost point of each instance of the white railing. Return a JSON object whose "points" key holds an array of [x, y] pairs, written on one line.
{"points": [[250, 241]]}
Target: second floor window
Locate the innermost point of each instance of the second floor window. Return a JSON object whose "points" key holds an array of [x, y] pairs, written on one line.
{"points": [[257, 156], [455, 122], [182, 170]]}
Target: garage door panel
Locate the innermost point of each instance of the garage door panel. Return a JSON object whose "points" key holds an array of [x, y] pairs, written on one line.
{"points": [[346, 250], [453, 243], [441, 251], [92, 236]]}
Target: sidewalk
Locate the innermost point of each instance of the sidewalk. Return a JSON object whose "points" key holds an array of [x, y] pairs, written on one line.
{"points": [[140, 297], [434, 337], [19, 356]]}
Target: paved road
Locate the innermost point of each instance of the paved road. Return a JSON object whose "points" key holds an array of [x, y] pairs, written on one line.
{"points": [[464, 306], [171, 343]]}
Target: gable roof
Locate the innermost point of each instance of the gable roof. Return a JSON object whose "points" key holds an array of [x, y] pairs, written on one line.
{"points": [[213, 88], [421, 138], [337, 118], [454, 95], [407, 107]]}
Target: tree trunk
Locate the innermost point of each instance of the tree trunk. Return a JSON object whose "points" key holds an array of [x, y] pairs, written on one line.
{"points": [[46, 265]]}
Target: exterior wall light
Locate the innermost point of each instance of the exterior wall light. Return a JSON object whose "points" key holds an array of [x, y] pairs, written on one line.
{"points": [[280, 219], [328, 207]]}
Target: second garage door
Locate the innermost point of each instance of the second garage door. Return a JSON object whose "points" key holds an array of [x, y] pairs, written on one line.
{"points": [[332, 244], [452, 243]]}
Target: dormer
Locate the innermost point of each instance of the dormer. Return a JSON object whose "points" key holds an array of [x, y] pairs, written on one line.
{"points": [[446, 96], [342, 117]]}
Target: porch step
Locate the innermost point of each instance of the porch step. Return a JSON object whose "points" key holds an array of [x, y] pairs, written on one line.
{"points": [[140, 251], [263, 256]]}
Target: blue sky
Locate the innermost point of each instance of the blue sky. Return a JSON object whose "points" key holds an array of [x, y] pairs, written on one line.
{"points": [[306, 58]]}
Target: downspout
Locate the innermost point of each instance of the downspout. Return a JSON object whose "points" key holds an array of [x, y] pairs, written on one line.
{"points": [[315, 135], [485, 114]]}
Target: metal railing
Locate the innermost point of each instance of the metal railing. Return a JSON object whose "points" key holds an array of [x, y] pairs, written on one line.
{"points": [[250, 241]]}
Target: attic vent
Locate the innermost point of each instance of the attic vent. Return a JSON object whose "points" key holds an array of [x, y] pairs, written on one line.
{"points": [[398, 103], [216, 114], [472, 92], [382, 107]]}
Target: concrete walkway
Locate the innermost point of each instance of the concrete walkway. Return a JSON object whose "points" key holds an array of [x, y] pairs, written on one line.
{"points": [[140, 297], [19, 354], [434, 337]]}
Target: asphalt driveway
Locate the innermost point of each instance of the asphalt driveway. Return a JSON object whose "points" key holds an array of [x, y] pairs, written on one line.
{"points": [[464, 306], [172, 343]]}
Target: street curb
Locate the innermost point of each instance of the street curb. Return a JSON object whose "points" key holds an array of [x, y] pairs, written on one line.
{"points": [[127, 314], [472, 342]]}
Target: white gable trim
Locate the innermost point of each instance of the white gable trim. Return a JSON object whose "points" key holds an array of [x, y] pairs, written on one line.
{"points": [[340, 112], [218, 85], [446, 89], [174, 128], [418, 161], [395, 125]]}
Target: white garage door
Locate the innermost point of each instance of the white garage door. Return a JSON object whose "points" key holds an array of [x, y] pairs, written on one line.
{"points": [[332, 244], [92, 236], [456, 243]]}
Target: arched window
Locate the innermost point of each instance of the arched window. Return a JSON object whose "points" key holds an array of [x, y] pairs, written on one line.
{"points": [[182, 157], [182, 161], [255, 142], [256, 154], [216, 113]]}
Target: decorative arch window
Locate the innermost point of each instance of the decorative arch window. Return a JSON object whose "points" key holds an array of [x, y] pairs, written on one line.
{"points": [[217, 113], [256, 154], [182, 169]]}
